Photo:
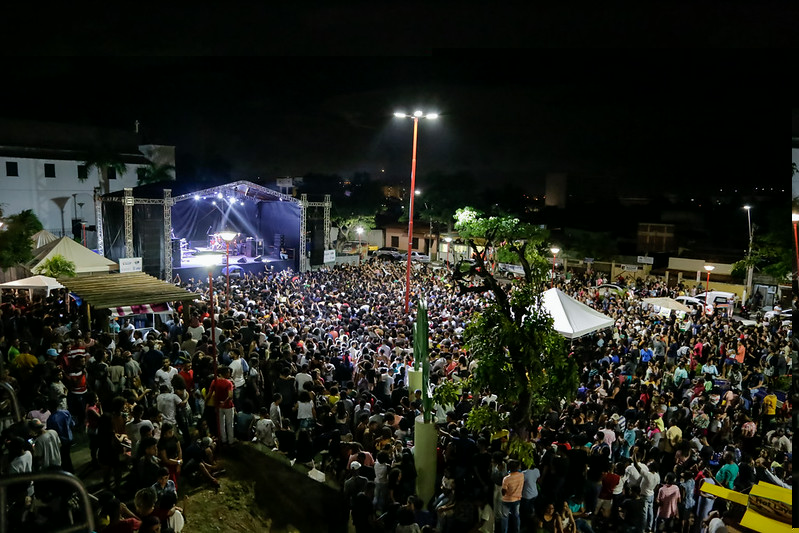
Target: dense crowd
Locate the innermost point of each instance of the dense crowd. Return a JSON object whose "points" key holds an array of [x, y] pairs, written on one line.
{"points": [[314, 366]]}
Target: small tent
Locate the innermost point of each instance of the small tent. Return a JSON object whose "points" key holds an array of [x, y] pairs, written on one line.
{"points": [[33, 283], [86, 261], [40, 238], [572, 318]]}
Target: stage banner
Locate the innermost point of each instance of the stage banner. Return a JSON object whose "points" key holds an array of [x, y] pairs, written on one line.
{"points": [[330, 256]]}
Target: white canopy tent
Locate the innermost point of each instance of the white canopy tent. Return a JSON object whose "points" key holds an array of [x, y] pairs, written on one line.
{"points": [[40, 238], [572, 318], [667, 303], [86, 261], [32, 283]]}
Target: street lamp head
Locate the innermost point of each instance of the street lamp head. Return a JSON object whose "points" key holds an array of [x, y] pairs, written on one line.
{"points": [[710, 268], [431, 116], [747, 207], [448, 239], [794, 217], [227, 236], [400, 114], [417, 192], [359, 230], [418, 114], [554, 250]]}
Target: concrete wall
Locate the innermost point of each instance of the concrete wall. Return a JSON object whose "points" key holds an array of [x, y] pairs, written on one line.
{"points": [[290, 496]]}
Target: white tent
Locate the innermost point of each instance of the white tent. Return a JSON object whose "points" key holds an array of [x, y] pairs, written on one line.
{"points": [[40, 238], [572, 318], [667, 303], [33, 282], [85, 260]]}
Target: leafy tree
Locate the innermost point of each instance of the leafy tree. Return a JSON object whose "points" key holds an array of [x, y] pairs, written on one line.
{"points": [[347, 229], [104, 160], [57, 266], [521, 358], [16, 244], [153, 173]]}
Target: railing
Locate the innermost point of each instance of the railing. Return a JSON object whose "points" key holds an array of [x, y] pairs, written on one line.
{"points": [[61, 477]]}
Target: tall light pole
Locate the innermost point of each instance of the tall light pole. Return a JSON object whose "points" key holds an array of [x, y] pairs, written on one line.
{"points": [[795, 220], [709, 268], [416, 116], [554, 251], [227, 236], [359, 231], [750, 268], [449, 242]]}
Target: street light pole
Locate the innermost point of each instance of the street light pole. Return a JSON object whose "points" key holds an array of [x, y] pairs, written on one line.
{"points": [[750, 268], [554, 258], [709, 268], [416, 116], [227, 236], [359, 231], [795, 220]]}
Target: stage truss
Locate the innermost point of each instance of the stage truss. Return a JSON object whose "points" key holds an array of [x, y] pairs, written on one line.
{"points": [[245, 188]]}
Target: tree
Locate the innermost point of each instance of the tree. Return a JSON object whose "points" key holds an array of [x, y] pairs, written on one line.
{"points": [[152, 173], [57, 266], [16, 244], [521, 358], [104, 160], [347, 229]]}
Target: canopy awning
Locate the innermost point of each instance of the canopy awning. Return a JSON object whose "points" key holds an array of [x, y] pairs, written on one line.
{"points": [[573, 319], [667, 303], [34, 282], [145, 309], [126, 290]]}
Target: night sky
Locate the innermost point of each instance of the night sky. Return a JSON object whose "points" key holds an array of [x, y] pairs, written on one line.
{"points": [[654, 125]]}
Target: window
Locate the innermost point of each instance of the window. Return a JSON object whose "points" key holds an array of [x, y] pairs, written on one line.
{"points": [[83, 173], [395, 242], [112, 174], [11, 168], [49, 170], [415, 242]]}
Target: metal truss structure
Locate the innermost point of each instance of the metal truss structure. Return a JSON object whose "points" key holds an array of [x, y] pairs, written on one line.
{"points": [[326, 204]]}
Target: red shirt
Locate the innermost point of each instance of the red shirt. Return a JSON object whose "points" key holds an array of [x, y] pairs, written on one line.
{"points": [[222, 388], [188, 377], [609, 482]]}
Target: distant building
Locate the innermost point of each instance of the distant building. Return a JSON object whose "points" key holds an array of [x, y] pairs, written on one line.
{"points": [[655, 238], [41, 163]]}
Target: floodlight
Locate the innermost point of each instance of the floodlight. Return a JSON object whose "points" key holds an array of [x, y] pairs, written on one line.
{"points": [[227, 236], [431, 115], [418, 114], [710, 268], [196, 196], [554, 250], [400, 115]]}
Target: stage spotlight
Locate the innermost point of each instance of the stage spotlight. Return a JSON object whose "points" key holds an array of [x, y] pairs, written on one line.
{"points": [[214, 202], [196, 196], [219, 195]]}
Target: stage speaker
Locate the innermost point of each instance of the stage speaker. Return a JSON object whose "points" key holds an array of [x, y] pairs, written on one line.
{"points": [[242, 260], [259, 247], [249, 247], [258, 258], [176, 257]]}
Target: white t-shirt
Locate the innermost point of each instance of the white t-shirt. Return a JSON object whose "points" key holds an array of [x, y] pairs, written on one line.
{"points": [[164, 377], [237, 372], [47, 449], [301, 378], [716, 525], [21, 464], [167, 403], [265, 432], [197, 333]]}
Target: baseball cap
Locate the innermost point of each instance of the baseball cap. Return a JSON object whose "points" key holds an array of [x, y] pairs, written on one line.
{"points": [[355, 465], [52, 352]]}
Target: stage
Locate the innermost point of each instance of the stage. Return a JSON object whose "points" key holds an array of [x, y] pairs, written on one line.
{"points": [[198, 263]]}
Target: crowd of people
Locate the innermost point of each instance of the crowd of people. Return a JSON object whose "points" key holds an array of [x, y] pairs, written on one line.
{"points": [[314, 366]]}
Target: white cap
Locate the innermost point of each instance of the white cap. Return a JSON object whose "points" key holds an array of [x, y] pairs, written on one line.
{"points": [[355, 465]]}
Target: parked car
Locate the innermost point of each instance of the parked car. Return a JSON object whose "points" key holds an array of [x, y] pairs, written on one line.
{"points": [[785, 315], [416, 256], [389, 253], [693, 303], [609, 289]]}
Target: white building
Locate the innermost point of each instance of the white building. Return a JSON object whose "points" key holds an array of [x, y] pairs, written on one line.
{"points": [[40, 165]]}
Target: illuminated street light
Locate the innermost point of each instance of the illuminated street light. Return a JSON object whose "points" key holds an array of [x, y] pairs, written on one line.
{"points": [[227, 236], [416, 116], [795, 220], [554, 251], [359, 231]]}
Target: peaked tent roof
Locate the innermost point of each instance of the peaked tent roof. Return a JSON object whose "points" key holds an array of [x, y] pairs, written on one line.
{"points": [[40, 238], [85, 260], [33, 282], [572, 318]]}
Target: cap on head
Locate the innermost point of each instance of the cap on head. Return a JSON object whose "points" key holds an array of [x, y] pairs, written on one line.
{"points": [[355, 465]]}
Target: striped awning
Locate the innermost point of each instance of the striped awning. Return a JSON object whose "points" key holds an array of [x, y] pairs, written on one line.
{"points": [[140, 309]]}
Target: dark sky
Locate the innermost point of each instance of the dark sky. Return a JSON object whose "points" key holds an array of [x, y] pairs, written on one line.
{"points": [[654, 123]]}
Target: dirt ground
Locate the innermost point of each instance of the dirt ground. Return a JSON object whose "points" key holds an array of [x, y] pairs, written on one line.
{"points": [[232, 509]]}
